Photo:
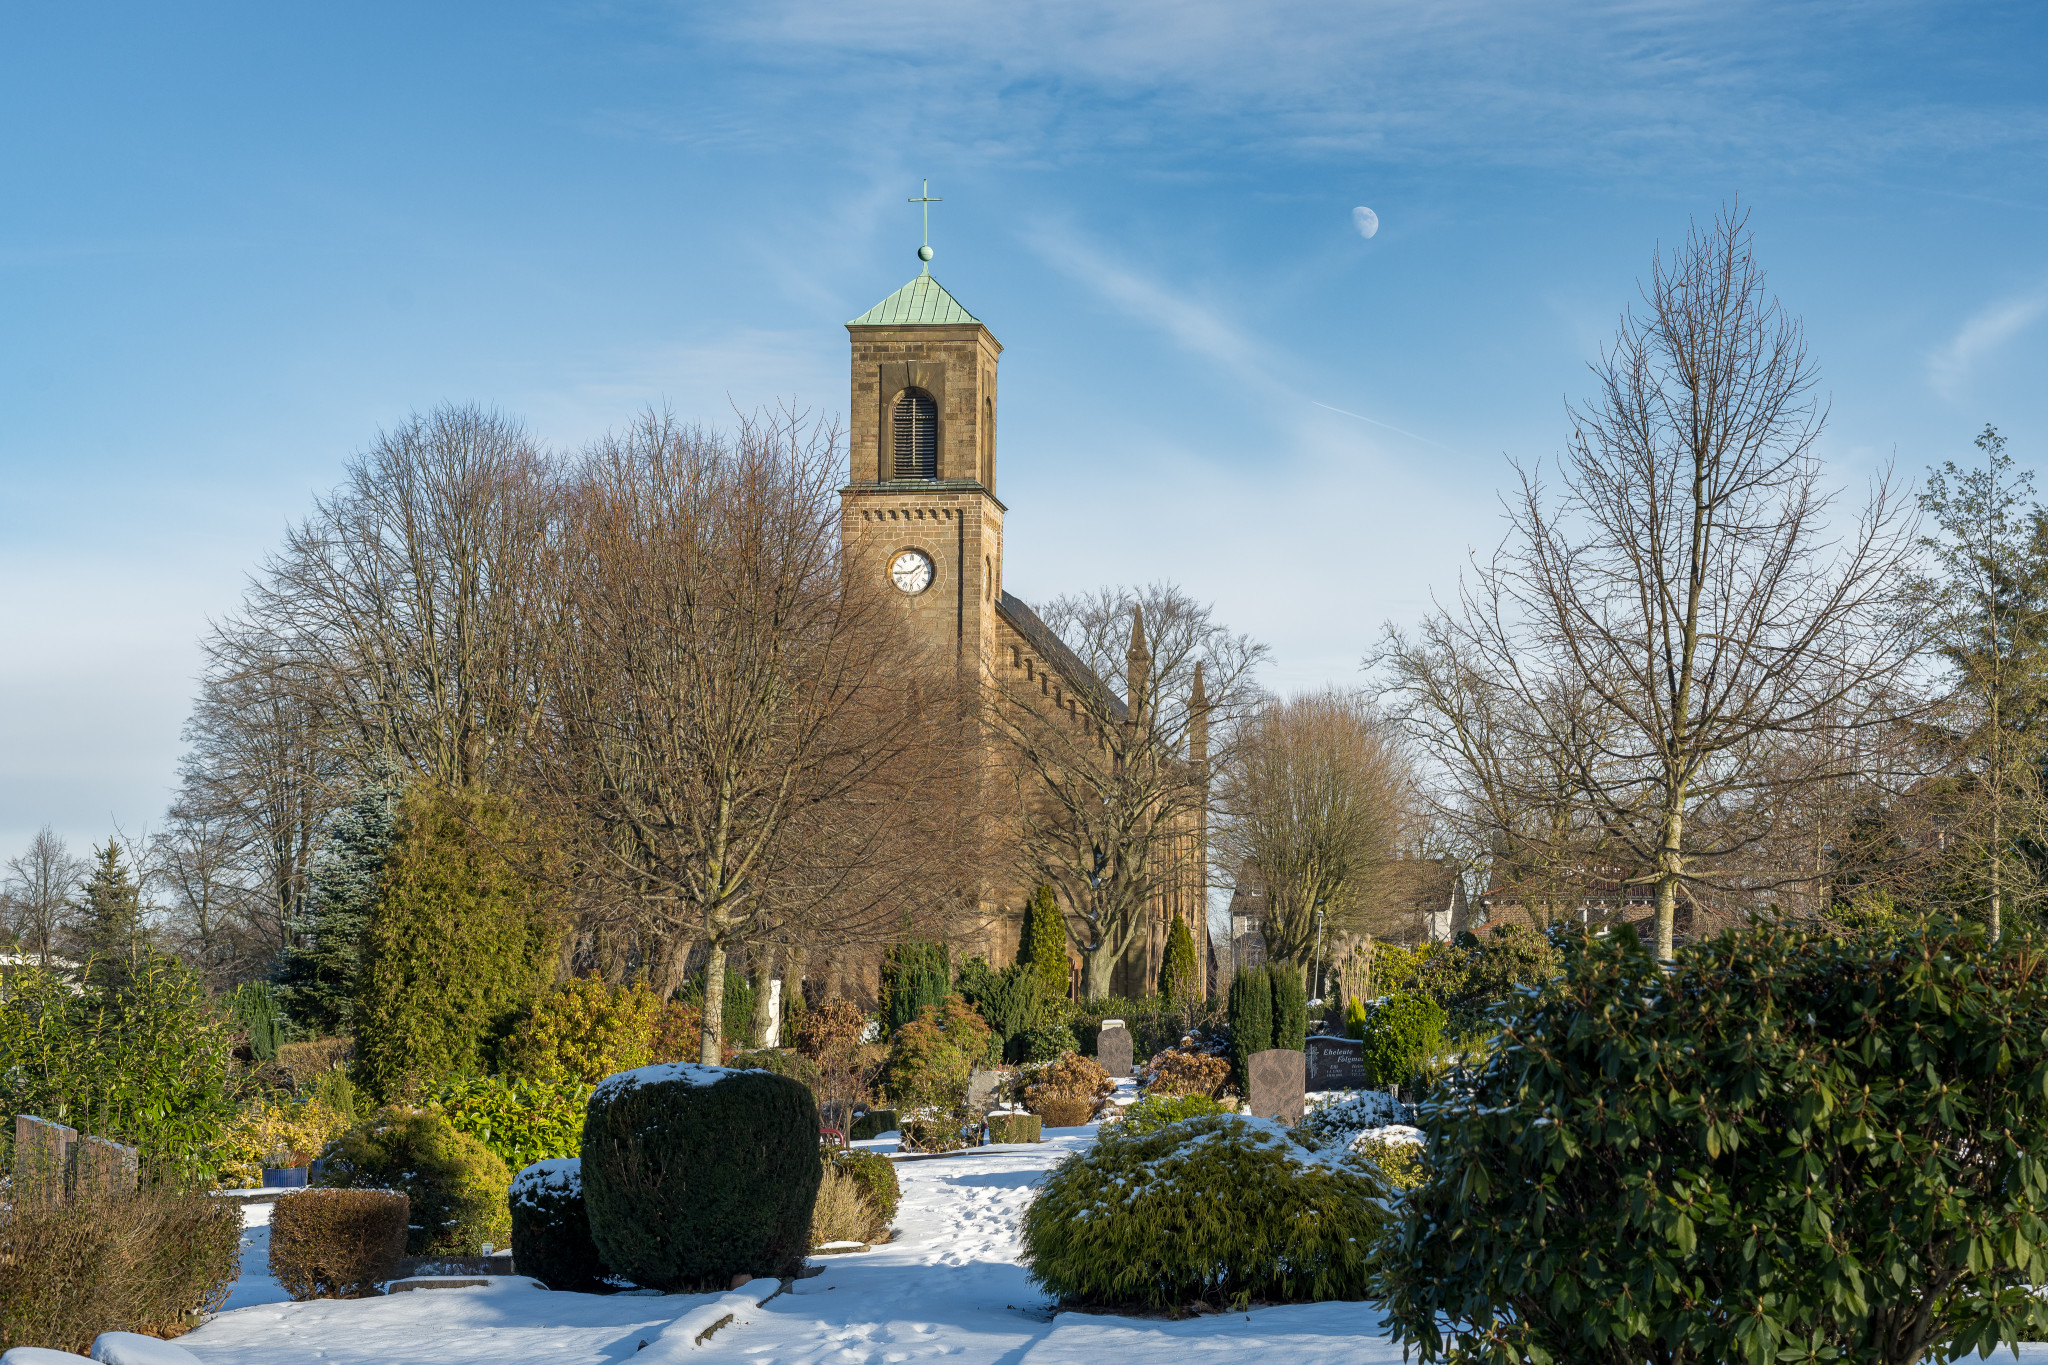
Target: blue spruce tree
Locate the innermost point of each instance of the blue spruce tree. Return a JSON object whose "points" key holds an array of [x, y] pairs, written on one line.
{"points": [[316, 982]]}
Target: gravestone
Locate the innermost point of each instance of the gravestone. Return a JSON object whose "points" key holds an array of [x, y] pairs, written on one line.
{"points": [[1113, 1049], [1336, 1063], [1277, 1082], [981, 1089], [101, 1166], [42, 1160]]}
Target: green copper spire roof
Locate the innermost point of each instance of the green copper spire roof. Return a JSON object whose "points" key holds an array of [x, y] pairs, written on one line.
{"points": [[923, 300]]}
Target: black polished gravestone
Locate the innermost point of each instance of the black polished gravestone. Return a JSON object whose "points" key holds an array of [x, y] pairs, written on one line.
{"points": [[1276, 1084], [1336, 1063], [1113, 1049]]}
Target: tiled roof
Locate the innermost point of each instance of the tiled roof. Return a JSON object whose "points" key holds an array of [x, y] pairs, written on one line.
{"points": [[923, 301]]}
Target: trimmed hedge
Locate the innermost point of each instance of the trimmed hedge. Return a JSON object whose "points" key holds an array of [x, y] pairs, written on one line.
{"points": [[550, 1229], [1218, 1210], [140, 1263], [337, 1244], [873, 1124], [879, 1188], [693, 1174], [1016, 1128], [456, 1184]]}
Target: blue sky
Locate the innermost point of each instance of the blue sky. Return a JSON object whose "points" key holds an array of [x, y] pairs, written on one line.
{"points": [[238, 239]]}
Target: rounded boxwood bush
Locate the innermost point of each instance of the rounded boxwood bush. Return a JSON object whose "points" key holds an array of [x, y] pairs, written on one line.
{"points": [[693, 1174], [456, 1184], [1399, 1032], [550, 1230], [879, 1188], [1220, 1209]]}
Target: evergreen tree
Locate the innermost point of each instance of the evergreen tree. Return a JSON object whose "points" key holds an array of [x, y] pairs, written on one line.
{"points": [[1044, 945], [110, 913], [1251, 1018], [317, 982], [914, 974], [461, 942], [1179, 978], [1290, 1006]]}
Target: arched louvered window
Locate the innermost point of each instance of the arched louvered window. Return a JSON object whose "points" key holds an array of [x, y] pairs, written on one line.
{"points": [[917, 435]]}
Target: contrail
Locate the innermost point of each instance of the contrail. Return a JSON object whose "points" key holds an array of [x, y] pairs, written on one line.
{"points": [[1396, 430]]}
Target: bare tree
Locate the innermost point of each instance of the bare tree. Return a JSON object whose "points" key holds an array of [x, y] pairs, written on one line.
{"points": [[201, 861], [1318, 804], [1683, 583], [40, 884], [1113, 790], [728, 719], [401, 611]]}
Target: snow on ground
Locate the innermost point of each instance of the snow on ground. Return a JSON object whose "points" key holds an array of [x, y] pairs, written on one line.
{"points": [[949, 1287]]}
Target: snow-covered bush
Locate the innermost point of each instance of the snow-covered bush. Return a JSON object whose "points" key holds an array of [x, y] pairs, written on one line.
{"points": [[693, 1174], [1333, 1123], [135, 1263], [1400, 1030], [337, 1244], [1780, 1146], [1218, 1210], [456, 1184], [1154, 1112], [550, 1230]]}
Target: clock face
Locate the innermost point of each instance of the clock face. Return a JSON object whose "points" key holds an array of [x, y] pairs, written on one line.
{"points": [[911, 571]]}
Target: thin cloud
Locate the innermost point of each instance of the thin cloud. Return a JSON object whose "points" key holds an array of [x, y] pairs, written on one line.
{"points": [[1982, 336]]}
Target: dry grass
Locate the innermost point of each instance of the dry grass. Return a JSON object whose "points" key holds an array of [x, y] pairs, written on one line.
{"points": [[841, 1213]]}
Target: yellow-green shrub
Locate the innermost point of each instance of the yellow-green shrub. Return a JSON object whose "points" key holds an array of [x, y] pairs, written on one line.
{"points": [[456, 1184], [585, 1030], [274, 1127]]}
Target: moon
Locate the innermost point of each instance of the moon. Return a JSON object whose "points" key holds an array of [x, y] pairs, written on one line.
{"points": [[1366, 220]]}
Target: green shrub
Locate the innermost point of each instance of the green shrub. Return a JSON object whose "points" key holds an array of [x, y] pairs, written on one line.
{"points": [[461, 943], [1047, 1043], [1043, 945], [1179, 974], [735, 1011], [141, 1262], [1290, 1006], [931, 1057], [873, 1124], [783, 1061], [584, 1030], [1011, 1002], [337, 1244], [520, 1121], [1354, 1018], [1155, 1023], [139, 1055], [1251, 1018], [879, 1188], [1400, 1163], [1847, 1131], [1477, 974], [1154, 1112], [1400, 1031], [254, 1008], [550, 1229], [1220, 1210], [692, 1174], [456, 1184], [914, 975]]}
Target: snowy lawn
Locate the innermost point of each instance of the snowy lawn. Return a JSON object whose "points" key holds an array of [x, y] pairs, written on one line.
{"points": [[948, 1286]]}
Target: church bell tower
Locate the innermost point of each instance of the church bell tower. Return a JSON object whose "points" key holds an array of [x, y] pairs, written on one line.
{"points": [[919, 511]]}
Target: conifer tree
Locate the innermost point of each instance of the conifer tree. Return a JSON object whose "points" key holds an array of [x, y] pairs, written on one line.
{"points": [[1044, 944], [1251, 1018], [110, 911], [462, 941], [1179, 979], [1290, 1006], [317, 984]]}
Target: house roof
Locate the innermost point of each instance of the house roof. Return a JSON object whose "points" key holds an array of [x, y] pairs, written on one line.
{"points": [[922, 302], [1054, 651]]}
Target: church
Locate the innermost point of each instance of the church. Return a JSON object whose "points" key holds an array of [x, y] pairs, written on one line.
{"points": [[920, 511]]}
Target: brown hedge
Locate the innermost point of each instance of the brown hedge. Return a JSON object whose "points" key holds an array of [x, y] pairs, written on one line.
{"points": [[146, 1262], [337, 1244]]}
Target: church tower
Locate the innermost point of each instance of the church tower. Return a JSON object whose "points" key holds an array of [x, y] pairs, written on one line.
{"points": [[919, 511]]}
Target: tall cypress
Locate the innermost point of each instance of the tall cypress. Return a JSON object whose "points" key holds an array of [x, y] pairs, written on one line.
{"points": [[317, 980], [1179, 980], [1043, 946], [1251, 1018], [1290, 1006]]}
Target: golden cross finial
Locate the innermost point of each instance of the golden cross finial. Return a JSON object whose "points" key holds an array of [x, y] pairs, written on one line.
{"points": [[924, 252]]}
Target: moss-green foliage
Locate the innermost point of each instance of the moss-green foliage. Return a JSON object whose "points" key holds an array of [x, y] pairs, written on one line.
{"points": [[1012, 1001], [254, 1008], [1154, 1112], [1046, 1043], [873, 1124], [1251, 1018], [1400, 1030], [456, 1184], [1479, 973], [141, 1056], [1354, 1018], [1394, 966], [914, 975], [735, 1010], [1043, 945], [1781, 1119], [550, 1230], [1290, 1006], [1400, 1163], [462, 942], [1016, 1128], [783, 1061], [1871, 911], [1220, 1210], [694, 1174], [930, 1057], [879, 1188], [1180, 981], [584, 1030], [521, 1121]]}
